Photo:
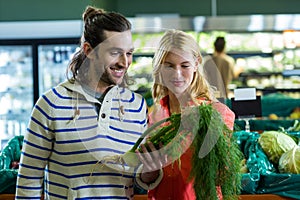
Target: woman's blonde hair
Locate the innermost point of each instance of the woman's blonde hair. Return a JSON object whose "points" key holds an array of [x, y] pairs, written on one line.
{"points": [[179, 40]]}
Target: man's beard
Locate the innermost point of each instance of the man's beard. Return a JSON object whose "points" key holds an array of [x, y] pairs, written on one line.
{"points": [[107, 79]]}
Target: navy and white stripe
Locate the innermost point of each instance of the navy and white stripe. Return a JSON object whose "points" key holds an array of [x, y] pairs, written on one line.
{"points": [[62, 153]]}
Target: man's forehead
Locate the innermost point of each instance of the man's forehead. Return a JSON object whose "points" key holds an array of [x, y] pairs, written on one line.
{"points": [[113, 35], [118, 40]]}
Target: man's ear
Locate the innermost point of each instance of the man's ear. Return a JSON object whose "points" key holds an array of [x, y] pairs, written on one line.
{"points": [[87, 49]]}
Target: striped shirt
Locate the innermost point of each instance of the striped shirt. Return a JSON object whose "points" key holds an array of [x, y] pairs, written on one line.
{"points": [[66, 138]]}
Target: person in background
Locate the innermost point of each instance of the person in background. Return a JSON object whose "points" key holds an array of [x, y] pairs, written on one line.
{"points": [[178, 84], [219, 68], [87, 118]]}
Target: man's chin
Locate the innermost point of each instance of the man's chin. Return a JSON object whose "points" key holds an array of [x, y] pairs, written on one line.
{"points": [[111, 81], [117, 80]]}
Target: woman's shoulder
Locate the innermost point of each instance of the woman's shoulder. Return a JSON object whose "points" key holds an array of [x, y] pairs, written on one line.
{"points": [[227, 114], [159, 111]]}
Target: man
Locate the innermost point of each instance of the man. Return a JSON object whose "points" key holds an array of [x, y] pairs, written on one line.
{"points": [[219, 69], [75, 126]]}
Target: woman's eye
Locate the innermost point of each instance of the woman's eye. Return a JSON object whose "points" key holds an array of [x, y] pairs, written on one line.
{"points": [[185, 66], [166, 65]]}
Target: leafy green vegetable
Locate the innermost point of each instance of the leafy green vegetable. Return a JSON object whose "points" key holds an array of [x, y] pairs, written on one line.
{"points": [[216, 159], [275, 143], [216, 154], [221, 166], [295, 127], [289, 162]]}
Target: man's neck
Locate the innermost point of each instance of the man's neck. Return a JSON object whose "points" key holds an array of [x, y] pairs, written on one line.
{"points": [[102, 87]]}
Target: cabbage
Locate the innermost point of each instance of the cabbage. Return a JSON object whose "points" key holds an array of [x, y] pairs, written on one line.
{"points": [[275, 143], [289, 162]]}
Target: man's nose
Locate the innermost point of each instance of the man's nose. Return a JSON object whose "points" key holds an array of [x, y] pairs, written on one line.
{"points": [[123, 60]]}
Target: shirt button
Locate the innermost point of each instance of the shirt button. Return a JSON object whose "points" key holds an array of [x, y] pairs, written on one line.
{"points": [[103, 115]]}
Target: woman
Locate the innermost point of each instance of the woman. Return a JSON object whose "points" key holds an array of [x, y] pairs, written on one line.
{"points": [[179, 83]]}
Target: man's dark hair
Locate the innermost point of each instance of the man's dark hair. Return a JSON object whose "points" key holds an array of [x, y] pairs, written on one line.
{"points": [[96, 22], [219, 44]]}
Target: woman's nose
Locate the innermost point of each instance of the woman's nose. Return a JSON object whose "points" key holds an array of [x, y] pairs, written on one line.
{"points": [[178, 71]]}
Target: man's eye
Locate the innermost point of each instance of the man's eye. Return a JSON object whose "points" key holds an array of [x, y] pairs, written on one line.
{"points": [[129, 53], [114, 53]]}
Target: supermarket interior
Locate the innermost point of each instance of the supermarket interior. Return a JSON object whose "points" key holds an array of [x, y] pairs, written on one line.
{"points": [[38, 39]]}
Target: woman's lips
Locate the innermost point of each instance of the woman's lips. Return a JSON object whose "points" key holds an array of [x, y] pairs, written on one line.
{"points": [[177, 83]]}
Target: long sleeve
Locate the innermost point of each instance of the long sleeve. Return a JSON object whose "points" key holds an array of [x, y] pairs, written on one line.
{"points": [[37, 147], [151, 185], [67, 138], [138, 180]]}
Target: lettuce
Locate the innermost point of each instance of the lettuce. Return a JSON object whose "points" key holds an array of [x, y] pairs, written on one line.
{"points": [[275, 143], [289, 162]]}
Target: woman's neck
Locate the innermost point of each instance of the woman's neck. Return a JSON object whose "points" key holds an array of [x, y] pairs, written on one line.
{"points": [[174, 106], [175, 103]]}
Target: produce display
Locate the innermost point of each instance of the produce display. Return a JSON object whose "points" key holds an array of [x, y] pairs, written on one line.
{"points": [[282, 149], [295, 127], [259, 56], [295, 114], [263, 176], [9, 164]]}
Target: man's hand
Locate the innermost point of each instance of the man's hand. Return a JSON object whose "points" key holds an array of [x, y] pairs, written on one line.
{"points": [[153, 160]]}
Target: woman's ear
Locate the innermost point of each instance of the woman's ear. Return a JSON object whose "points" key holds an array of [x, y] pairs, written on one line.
{"points": [[198, 62], [87, 49], [196, 65]]}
